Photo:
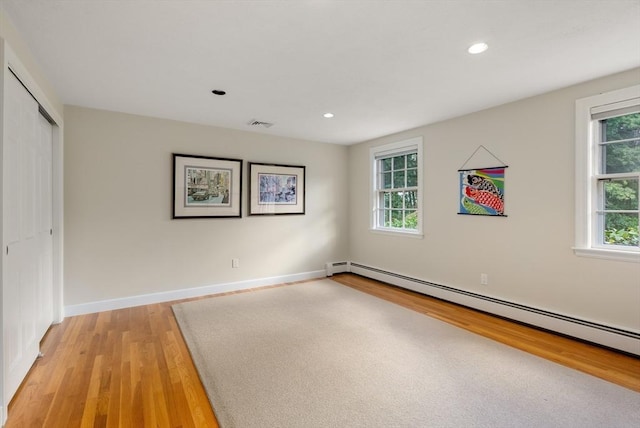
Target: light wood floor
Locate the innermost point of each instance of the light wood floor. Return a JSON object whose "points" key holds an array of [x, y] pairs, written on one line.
{"points": [[131, 367]]}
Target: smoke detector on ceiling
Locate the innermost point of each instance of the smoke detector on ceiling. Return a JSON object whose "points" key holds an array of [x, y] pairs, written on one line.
{"points": [[254, 122]]}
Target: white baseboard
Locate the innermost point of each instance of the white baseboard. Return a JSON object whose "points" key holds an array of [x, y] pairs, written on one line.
{"points": [[606, 335], [167, 296], [609, 336]]}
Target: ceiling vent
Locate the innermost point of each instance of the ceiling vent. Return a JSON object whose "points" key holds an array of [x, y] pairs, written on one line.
{"points": [[254, 122]]}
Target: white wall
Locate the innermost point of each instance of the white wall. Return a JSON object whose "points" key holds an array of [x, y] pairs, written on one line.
{"points": [[528, 255], [121, 241]]}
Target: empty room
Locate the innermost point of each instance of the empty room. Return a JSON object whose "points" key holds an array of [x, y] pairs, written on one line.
{"points": [[320, 213]]}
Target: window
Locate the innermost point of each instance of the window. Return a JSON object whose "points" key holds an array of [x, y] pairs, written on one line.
{"points": [[608, 168], [396, 181]]}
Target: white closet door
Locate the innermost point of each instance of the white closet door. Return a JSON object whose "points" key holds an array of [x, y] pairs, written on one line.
{"points": [[44, 219], [27, 210]]}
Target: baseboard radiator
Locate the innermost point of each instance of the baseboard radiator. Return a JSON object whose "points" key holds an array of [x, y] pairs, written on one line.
{"points": [[612, 337]]}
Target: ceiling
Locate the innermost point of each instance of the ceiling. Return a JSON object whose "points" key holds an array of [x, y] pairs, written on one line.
{"points": [[379, 66]]}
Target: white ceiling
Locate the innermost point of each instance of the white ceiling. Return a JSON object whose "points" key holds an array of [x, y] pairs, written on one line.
{"points": [[380, 66]]}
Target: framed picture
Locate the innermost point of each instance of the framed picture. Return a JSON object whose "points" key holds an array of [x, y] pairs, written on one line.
{"points": [[276, 189], [481, 191], [206, 187]]}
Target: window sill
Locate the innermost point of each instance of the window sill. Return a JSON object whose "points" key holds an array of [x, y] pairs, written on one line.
{"points": [[601, 253], [391, 232]]}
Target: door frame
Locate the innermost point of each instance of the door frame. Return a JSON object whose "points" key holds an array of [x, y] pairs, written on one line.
{"points": [[10, 61]]}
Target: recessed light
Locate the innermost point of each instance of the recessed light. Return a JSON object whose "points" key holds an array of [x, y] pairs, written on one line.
{"points": [[218, 92], [328, 115], [477, 48]]}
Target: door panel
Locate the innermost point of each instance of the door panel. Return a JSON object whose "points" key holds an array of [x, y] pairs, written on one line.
{"points": [[27, 250], [44, 240]]}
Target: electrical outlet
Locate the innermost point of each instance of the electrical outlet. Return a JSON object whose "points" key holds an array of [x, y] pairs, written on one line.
{"points": [[235, 263], [484, 279]]}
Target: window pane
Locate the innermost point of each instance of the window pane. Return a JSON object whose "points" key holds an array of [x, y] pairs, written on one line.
{"points": [[412, 178], [621, 229], [386, 164], [387, 200], [387, 218], [396, 218], [411, 220], [396, 200], [398, 179], [621, 127], [412, 160], [621, 194], [411, 200], [621, 157], [398, 162], [386, 180]]}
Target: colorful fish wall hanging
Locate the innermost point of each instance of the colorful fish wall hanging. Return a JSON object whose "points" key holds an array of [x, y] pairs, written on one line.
{"points": [[482, 191]]}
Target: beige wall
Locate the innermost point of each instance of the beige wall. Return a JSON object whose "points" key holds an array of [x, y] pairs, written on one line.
{"points": [[528, 255], [120, 240]]}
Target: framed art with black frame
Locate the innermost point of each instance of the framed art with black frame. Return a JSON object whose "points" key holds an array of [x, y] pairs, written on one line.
{"points": [[276, 189], [205, 187]]}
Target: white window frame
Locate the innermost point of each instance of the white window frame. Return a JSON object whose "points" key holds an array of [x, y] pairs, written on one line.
{"points": [[388, 150], [587, 170]]}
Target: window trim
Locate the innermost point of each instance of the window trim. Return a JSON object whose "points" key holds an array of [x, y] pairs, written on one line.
{"points": [[398, 148], [586, 170]]}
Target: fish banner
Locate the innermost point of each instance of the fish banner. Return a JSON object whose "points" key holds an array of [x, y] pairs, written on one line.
{"points": [[482, 191]]}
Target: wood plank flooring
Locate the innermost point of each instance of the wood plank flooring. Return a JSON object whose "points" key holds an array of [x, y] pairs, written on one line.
{"points": [[131, 367], [606, 364]]}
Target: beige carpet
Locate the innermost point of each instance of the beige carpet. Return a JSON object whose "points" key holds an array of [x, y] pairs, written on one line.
{"points": [[320, 354]]}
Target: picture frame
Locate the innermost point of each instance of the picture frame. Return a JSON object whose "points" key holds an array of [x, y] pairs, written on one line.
{"points": [[206, 187], [481, 191], [276, 189]]}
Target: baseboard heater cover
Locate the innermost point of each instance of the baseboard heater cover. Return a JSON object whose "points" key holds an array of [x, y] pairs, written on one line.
{"points": [[612, 337], [336, 267]]}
